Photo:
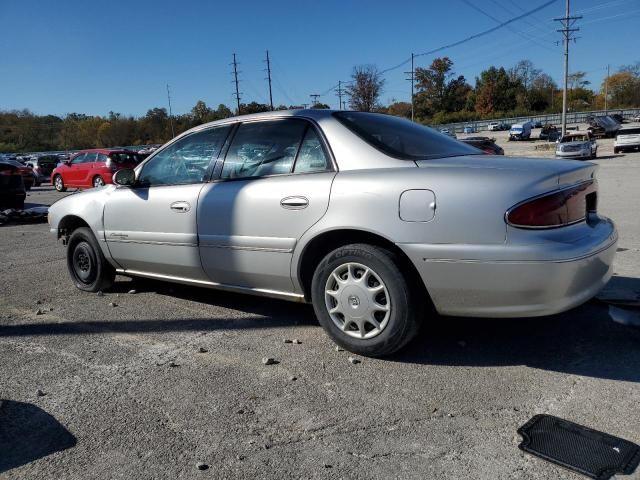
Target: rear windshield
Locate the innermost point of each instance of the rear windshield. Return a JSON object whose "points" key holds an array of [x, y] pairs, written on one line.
{"points": [[402, 138], [124, 157], [629, 131]]}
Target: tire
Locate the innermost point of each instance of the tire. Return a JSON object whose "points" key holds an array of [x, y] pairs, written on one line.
{"points": [[98, 182], [615, 151], [87, 266], [396, 326], [58, 184]]}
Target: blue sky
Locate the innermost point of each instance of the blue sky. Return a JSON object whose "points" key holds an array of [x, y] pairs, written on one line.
{"points": [[96, 56]]}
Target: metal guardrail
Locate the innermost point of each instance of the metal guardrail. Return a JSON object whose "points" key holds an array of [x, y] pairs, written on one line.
{"points": [[554, 118]]}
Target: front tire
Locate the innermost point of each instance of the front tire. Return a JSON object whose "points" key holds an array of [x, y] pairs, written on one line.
{"points": [[98, 182], [58, 184], [363, 301], [87, 266]]}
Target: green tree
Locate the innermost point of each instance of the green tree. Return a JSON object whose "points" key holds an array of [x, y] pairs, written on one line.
{"points": [[365, 88]]}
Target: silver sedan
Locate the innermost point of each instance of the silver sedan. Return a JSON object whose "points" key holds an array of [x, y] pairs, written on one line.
{"points": [[381, 223]]}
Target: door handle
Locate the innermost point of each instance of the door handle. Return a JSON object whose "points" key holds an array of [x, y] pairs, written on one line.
{"points": [[180, 207], [294, 203]]}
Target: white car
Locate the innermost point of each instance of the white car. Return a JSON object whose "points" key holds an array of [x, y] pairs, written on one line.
{"points": [[580, 145], [627, 139], [493, 126]]}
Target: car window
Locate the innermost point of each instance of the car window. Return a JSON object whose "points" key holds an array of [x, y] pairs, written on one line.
{"points": [[185, 161], [263, 148], [102, 157], [311, 157], [79, 159], [90, 157], [402, 138]]}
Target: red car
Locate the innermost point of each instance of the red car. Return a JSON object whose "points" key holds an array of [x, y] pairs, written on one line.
{"points": [[92, 168]]}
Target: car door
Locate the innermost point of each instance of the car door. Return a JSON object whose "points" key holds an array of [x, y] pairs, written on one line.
{"points": [[85, 179], [150, 228], [273, 186], [71, 171]]}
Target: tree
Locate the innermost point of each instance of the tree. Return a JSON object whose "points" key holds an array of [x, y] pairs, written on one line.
{"points": [[200, 112], [431, 85], [254, 107], [495, 91], [320, 106], [579, 96], [400, 109], [365, 89], [623, 89]]}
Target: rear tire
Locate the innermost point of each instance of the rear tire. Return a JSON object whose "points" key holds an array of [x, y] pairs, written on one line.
{"points": [[87, 266], [58, 184], [372, 310], [98, 182]]}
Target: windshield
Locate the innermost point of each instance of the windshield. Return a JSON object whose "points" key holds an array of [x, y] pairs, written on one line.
{"points": [[516, 129], [574, 138], [629, 131], [124, 157], [401, 138]]}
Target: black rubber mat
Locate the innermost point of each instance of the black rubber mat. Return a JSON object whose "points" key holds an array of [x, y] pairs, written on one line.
{"points": [[592, 453]]}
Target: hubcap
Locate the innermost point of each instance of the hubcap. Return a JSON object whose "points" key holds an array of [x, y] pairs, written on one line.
{"points": [[58, 183], [357, 300], [98, 182]]}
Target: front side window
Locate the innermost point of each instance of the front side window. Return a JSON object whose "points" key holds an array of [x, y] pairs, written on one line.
{"points": [[264, 148], [186, 161], [402, 138], [90, 157], [79, 159]]}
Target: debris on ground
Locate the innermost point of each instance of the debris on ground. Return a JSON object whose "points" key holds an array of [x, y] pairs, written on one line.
{"points": [[39, 312], [287, 340], [353, 360], [269, 361], [339, 349], [132, 292], [113, 304], [29, 215], [99, 293], [296, 341], [202, 466], [40, 393]]}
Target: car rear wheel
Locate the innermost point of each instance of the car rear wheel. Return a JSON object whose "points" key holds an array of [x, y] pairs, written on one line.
{"points": [[58, 184], [363, 301], [98, 182], [89, 269]]}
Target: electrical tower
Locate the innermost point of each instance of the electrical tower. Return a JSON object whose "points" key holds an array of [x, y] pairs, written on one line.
{"points": [[235, 76], [269, 79], [567, 31], [314, 99], [173, 134], [412, 78]]}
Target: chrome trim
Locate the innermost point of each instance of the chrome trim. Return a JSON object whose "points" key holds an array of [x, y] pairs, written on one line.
{"points": [[252, 249], [551, 192], [295, 297]]}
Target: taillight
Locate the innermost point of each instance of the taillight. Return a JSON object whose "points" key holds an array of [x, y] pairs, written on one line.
{"points": [[556, 209]]}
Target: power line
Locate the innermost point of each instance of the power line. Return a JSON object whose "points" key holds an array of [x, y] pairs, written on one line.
{"points": [[235, 75], [269, 78], [567, 30]]}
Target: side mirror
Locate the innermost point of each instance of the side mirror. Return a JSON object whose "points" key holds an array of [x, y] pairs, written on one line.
{"points": [[125, 177], [67, 162]]}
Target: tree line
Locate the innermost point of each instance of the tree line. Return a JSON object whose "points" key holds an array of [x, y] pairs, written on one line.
{"points": [[441, 96]]}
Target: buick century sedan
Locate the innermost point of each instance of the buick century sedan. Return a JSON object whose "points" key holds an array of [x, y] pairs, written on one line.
{"points": [[380, 223]]}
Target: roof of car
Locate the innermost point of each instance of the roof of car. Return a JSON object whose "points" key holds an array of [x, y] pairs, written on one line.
{"points": [[104, 150]]}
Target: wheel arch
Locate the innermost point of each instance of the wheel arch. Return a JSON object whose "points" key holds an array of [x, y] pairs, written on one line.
{"points": [[319, 246], [69, 223]]}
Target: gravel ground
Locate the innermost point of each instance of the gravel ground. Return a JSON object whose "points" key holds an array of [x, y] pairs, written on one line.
{"points": [[172, 379]]}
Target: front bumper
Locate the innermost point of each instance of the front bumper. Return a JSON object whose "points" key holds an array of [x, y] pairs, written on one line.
{"points": [[517, 280], [578, 154]]}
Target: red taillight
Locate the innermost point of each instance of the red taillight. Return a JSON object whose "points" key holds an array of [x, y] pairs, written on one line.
{"points": [[555, 209]]}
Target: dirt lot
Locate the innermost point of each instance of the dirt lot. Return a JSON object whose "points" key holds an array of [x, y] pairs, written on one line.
{"points": [[172, 376]]}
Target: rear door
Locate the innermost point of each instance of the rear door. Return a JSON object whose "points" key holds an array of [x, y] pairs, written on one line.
{"points": [[274, 185]]}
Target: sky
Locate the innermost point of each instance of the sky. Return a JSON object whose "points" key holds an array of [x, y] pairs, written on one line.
{"points": [[93, 57]]}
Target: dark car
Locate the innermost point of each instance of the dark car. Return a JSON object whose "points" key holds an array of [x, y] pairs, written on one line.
{"points": [[549, 132], [25, 171], [12, 191], [617, 117], [92, 168], [604, 126], [486, 144], [42, 167]]}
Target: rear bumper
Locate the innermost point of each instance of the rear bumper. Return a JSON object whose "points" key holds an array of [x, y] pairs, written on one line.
{"points": [[516, 280]]}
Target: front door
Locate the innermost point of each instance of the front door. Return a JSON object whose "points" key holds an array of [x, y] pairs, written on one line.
{"points": [[151, 228], [274, 185]]}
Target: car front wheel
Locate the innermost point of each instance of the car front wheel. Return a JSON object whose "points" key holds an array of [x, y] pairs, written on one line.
{"points": [[58, 184], [363, 301], [89, 269]]}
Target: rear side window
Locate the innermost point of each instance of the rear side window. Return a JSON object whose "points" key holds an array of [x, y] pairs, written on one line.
{"points": [[401, 138], [311, 157], [264, 148]]}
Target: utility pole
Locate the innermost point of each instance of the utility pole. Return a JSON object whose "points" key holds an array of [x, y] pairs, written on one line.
{"points": [[235, 75], [412, 80], [305, 106], [339, 91], [269, 78], [173, 134], [606, 92], [314, 99], [567, 23]]}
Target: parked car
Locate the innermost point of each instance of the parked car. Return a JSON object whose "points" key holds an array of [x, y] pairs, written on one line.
{"points": [[636, 118], [603, 126], [42, 167], [579, 145], [618, 118], [372, 218], [26, 172], [520, 131], [12, 191], [493, 126], [550, 133], [449, 132], [537, 124], [486, 144], [91, 168], [627, 139], [469, 129]]}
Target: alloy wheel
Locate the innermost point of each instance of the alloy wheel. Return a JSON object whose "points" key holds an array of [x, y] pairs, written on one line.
{"points": [[98, 182]]}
